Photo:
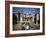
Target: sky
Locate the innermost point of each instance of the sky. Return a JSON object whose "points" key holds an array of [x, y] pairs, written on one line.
{"points": [[26, 10]]}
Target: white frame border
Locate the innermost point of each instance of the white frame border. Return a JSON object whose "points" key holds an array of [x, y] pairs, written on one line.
{"points": [[29, 31]]}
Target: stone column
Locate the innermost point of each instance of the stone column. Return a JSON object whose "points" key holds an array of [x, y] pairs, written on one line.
{"points": [[21, 18], [37, 18]]}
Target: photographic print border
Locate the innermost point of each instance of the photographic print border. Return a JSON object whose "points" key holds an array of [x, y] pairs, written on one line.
{"points": [[7, 18], [25, 31]]}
